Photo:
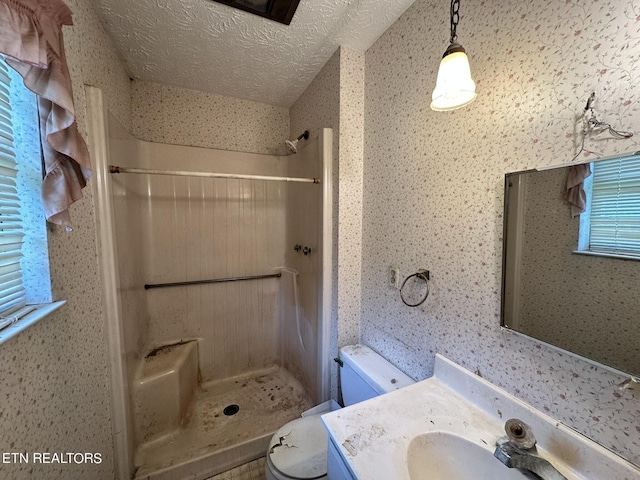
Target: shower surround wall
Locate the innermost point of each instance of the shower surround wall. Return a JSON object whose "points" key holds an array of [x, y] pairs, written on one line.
{"points": [[171, 115], [130, 207], [299, 336], [335, 99], [174, 228], [202, 229], [197, 229]]}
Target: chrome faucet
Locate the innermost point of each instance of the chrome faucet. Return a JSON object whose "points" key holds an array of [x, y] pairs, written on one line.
{"points": [[518, 450]]}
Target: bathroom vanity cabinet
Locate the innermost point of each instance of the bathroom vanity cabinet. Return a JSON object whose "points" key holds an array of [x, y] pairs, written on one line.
{"points": [[337, 468], [447, 427]]}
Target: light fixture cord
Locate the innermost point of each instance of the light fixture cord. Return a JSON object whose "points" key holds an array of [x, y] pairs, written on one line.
{"points": [[455, 18]]}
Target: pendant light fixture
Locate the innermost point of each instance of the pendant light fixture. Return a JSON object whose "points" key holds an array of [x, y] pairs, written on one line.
{"points": [[454, 86]]}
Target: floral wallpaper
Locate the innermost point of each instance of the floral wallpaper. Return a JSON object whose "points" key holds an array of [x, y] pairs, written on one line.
{"points": [[179, 116], [54, 376], [433, 187], [431, 198]]}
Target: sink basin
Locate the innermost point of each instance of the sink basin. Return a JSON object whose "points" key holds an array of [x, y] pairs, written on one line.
{"points": [[444, 456]]}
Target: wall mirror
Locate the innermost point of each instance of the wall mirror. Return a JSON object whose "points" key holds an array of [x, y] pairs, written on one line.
{"points": [[574, 281]]}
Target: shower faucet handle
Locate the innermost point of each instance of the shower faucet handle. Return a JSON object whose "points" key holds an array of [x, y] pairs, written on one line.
{"points": [[297, 247], [306, 250]]}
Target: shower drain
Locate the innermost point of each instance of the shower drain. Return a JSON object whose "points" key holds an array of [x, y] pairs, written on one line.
{"points": [[231, 410]]}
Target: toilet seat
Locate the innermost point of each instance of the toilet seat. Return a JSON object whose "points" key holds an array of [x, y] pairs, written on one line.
{"points": [[298, 450]]}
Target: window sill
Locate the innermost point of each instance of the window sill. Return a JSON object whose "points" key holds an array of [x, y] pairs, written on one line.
{"points": [[607, 255], [30, 319]]}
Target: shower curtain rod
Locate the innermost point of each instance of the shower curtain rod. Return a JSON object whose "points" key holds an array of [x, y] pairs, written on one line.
{"points": [[116, 169]]}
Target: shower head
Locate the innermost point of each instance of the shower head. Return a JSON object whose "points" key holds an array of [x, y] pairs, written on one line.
{"points": [[293, 145]]}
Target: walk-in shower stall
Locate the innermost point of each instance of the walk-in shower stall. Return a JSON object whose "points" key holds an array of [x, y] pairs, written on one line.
{"points": [[214, 265]]}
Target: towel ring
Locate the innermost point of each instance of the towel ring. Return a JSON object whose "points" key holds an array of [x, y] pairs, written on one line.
{"points": [[423, 275]]}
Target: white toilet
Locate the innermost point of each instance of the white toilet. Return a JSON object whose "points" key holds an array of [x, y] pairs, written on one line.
{"points": [[298, 450]]}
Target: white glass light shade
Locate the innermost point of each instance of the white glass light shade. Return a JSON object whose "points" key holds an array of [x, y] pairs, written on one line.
{"points": [[454, 87]]}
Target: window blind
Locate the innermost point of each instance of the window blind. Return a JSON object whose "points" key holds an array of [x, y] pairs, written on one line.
{"points": [[12, 291], [615, 207]]}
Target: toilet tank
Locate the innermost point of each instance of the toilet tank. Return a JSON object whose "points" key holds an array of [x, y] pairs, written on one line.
{"points": [[365, 374]]}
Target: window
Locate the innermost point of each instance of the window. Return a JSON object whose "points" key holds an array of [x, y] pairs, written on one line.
{"points": [[612, 223], [25, 288]]}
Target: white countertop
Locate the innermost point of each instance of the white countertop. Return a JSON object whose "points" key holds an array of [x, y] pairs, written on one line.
{"points": [[373, 436]]}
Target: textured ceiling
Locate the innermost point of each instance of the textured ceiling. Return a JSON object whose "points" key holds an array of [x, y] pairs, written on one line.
{"points": [[211, 47]]}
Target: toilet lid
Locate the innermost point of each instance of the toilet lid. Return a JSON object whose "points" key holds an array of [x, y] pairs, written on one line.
{"points": [[299, 448]]}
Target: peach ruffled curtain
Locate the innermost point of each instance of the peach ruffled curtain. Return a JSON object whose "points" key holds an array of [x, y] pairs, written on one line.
{"points": [[31, 41]]}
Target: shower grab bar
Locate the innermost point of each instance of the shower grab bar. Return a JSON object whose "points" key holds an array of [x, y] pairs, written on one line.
{"points": [[215, 280], [178, 173]]}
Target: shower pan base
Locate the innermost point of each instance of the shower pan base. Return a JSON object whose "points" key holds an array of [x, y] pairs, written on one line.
{"points": [[256, 405]]}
